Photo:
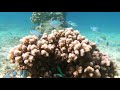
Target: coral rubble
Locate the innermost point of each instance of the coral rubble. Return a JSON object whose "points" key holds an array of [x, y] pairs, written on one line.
{"points": [[62, 53]]}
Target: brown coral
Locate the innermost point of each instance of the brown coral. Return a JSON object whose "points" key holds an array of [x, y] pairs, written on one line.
{"points": [[75, 55]]}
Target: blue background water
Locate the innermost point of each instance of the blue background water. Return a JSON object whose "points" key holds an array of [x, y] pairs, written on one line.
{"points": [[20, 18], [106, 21]]}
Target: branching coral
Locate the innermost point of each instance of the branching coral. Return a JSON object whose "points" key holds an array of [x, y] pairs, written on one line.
{"points": [[63, 53]]}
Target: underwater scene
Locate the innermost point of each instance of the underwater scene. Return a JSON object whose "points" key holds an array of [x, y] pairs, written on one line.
{"points": [[59, 44]]}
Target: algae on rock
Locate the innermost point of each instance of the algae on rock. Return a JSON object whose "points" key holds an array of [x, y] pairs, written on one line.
{"points": [[42, 20]]}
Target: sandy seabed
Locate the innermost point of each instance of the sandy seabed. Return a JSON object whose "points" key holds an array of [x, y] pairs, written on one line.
{"points": [[9, 37]]}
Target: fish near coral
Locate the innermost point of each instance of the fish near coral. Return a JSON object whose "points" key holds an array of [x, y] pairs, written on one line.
{"points": [[55, 23], [71, 23], [58, 49], [35, 32]]}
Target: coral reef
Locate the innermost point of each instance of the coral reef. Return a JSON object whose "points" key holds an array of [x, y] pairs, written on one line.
{"points": [[62, 53], [42, 20]]}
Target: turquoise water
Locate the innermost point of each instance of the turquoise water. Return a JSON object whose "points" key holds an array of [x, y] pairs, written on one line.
{"points": [[21, 18], [13, 26], [16, 25], [107, 21]]}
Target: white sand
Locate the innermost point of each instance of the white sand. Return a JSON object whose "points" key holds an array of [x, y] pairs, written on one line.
{"points": [[9, 37]]}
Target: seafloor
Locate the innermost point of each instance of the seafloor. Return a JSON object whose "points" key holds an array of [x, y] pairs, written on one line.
{"points": [[10, 35]]}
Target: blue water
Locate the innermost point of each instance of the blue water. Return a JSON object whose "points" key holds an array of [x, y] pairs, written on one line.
{"points": [[20, 18], [18, 24], [106, 21]]}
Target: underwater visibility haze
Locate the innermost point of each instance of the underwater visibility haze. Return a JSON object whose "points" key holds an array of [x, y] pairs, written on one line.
{"points": [[103, 28]]}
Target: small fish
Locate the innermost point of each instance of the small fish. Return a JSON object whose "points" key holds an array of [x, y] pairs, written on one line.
{"points": [[107, 44], [59, 70], [100, 40], [72, 24], [21, 72], [55, 23], [24, 73], [10, 74], [95, 29], [103, 37], [7, 76], [14, 73], [58, 75], [35, 32], [39, 26]]}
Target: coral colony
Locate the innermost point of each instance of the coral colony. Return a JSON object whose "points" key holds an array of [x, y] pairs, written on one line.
{"points": [[41, 17], [62, 53], [47, 21]]}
